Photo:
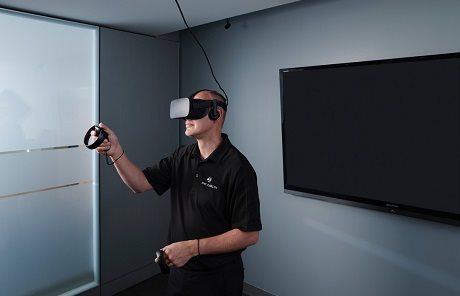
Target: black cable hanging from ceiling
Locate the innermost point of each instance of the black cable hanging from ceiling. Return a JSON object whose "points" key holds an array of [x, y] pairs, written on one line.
{"points": [[204, 52]]}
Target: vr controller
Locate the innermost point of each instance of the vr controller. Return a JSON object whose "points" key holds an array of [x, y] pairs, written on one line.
{"points": [[160, 259], [100, 134]]}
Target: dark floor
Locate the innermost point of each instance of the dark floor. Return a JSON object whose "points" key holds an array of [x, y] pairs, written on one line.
{"points": [[158, 286], [154, 286]]}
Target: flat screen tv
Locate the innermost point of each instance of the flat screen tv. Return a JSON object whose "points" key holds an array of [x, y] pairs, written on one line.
{"points": [[379, 134]]}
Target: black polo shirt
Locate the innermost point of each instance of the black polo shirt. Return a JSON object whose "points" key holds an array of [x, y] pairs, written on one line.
{"points": [[208, 197]]}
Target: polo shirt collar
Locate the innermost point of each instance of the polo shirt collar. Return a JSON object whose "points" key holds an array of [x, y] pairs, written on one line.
{"points": [[218, 153]]}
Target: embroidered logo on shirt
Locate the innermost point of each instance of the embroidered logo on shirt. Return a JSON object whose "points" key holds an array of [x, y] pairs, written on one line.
{"points": [[208, 184]]}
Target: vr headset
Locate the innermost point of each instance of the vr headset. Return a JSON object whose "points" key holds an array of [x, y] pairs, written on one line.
{"points": [[186, 108]]}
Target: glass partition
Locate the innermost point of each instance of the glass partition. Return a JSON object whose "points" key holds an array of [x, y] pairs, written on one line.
{"points": [[49, 180]]}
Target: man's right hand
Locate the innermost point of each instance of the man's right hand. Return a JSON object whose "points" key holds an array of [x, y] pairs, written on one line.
{"points": [[110, 146]]}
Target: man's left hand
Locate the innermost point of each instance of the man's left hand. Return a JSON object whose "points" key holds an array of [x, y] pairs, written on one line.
{"points": [[179, 253]]}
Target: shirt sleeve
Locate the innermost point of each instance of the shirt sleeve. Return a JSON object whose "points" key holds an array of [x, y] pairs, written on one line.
{"points": [[159, 175], [245, 204]]}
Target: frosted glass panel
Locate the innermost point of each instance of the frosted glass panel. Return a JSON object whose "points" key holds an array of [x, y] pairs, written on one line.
{"points": [[45, 169], [47, 241], [49, 180], [47, 82]]}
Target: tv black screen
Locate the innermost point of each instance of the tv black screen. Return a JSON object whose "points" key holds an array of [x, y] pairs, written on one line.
{"points": [[379, 134]]}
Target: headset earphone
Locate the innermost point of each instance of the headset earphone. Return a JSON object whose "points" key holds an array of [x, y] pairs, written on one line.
{"points": [[213, 113]]}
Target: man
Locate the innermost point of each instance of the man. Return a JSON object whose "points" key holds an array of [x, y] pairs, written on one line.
{"points": [[214, 201]]}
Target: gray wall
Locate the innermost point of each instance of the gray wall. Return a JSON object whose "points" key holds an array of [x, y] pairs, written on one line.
{"points": [[138, 78], [311, 247]]}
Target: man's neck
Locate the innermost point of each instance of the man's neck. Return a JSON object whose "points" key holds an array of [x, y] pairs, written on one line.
{"points": [[207, 145]]}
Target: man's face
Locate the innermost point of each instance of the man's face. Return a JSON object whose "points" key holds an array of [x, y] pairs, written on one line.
{"points": [[197, 128]]}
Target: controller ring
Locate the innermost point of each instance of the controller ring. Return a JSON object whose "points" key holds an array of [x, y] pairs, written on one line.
{"points": [[101, 136]]}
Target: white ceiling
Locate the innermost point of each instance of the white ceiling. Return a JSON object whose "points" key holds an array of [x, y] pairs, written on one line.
{"points": [[151, 17]]}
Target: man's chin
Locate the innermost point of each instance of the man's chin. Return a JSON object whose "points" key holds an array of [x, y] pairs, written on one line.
{"points": [[189, 133]]}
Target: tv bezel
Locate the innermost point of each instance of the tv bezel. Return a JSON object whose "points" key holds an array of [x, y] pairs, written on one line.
{"points": [[356, 201]]}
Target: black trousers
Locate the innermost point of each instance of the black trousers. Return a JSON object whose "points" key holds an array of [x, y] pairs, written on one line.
{"points": [[226, 281]]}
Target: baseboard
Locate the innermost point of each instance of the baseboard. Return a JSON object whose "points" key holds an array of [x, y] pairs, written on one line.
{"points": [[249, 290]]}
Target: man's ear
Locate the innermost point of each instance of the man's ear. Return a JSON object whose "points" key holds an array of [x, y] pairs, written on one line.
{"points": [[221, 113]]}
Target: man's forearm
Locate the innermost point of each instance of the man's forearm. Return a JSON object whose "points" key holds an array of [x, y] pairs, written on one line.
{"points": [[131, 175], [229, 241], [179, 253]]}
